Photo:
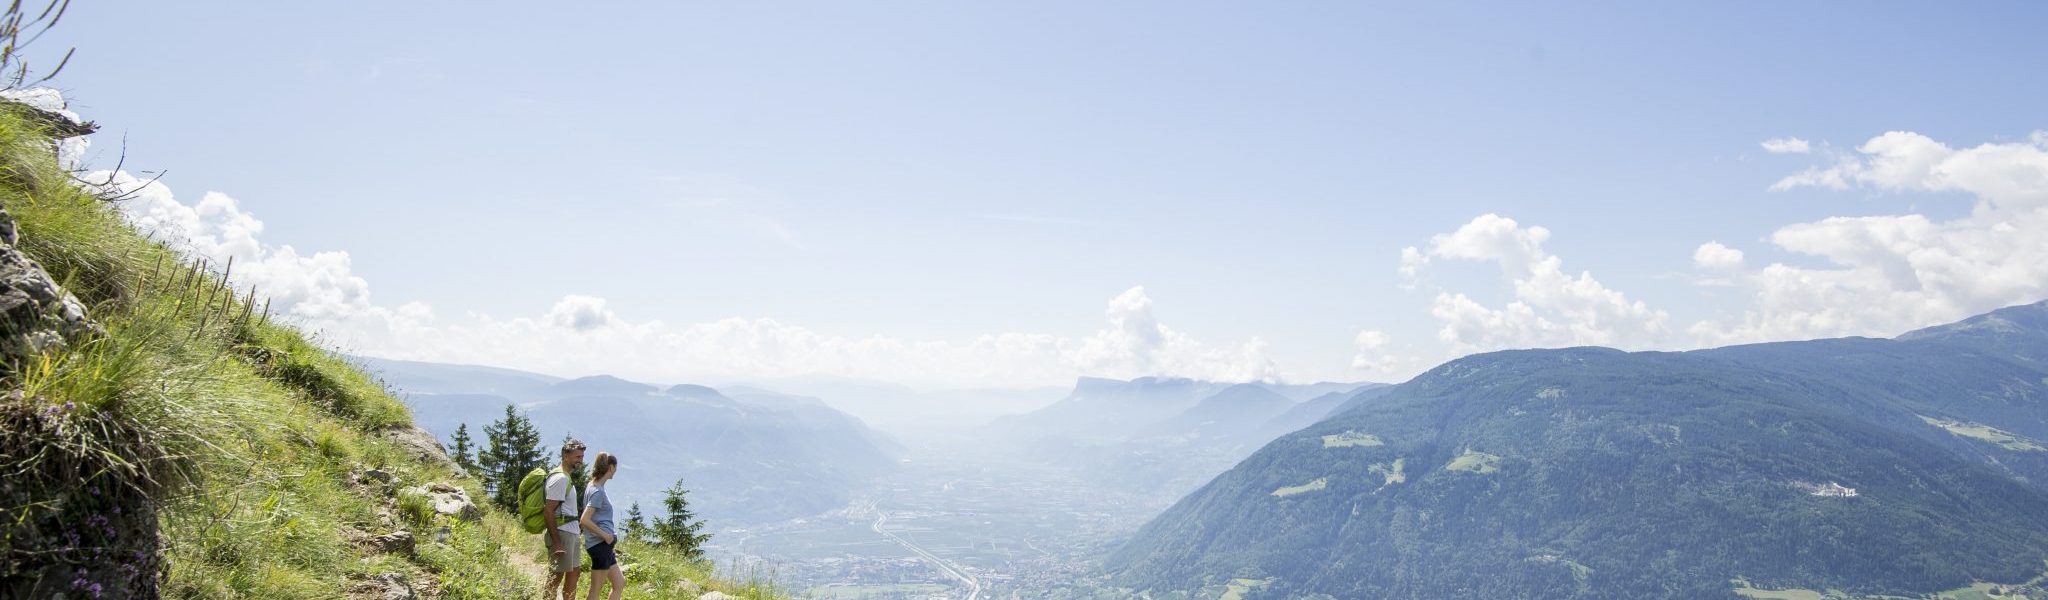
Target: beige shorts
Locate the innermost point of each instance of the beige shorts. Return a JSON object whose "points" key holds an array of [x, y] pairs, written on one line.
{"points": [[571, 557]]}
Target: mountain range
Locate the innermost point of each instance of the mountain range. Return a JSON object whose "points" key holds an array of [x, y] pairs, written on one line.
{"points": [[1857, 466], [1162, 436], [747, 455]]}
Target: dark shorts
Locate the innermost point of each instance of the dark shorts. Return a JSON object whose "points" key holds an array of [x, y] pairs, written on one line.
{"points": [[601, 557]]}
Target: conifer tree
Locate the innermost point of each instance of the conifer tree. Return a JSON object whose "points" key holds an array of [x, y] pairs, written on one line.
{"points": [[680, 530], [514, 449], [635, 525], [463, 449]]}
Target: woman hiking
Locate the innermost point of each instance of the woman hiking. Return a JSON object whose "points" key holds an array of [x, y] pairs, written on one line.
{"points": [[599, 538]]}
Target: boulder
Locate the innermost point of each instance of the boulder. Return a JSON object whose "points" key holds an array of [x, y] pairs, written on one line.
{"points": [[418, 444], [449, 500], [717, 596]]}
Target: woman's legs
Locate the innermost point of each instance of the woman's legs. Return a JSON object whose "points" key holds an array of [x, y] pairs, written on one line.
{"points": [[597, 581], [617, 575]]}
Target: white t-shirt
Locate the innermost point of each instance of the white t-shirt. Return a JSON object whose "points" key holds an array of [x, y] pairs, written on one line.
{"points": [[558, 489]]}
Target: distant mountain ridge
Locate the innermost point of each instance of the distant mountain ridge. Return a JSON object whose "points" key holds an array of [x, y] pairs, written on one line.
{"points": [[1162, 435], [1906, 466], [751, 456]]}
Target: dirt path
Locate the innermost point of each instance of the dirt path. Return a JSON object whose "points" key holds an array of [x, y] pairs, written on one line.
{"points": [[523, 561]]}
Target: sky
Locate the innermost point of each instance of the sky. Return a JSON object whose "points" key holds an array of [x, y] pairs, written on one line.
{"points": [[955, 195]]}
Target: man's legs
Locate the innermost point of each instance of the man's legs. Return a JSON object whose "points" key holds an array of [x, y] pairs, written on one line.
{"points": [[571, 564], [554, 583], [569, 585]]}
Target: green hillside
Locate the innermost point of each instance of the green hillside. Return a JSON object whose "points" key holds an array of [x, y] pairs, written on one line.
{"points": [[186, 444], [1853, 467]]}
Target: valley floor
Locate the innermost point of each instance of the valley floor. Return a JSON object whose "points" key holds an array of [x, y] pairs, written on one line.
{"points": [[951, 524]]}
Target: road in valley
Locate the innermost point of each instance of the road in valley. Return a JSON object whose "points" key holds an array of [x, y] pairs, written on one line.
{"points": [[973, 585]]}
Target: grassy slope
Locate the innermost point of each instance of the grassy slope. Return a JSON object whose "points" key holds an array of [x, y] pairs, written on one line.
{"points": [[270, 426]]}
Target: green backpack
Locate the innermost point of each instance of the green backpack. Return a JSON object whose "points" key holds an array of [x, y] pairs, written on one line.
{"points": [[533, 498]]}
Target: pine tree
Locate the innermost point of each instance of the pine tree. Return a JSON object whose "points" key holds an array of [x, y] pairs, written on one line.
{"points": [[680, 530], [635, 525], [462, 447], [514, 449]]}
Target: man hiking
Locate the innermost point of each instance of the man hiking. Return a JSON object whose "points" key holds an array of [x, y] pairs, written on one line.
{"points": [[564, 533]]}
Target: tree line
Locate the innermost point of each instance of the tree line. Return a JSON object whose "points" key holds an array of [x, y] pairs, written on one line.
{"points": [[512, 448]]}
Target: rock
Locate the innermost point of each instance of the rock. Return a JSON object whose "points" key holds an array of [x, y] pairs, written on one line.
{"points": [[717, 596], [687, 588], [440, 535], [449, 500], [378, 475], [419, 444], [385, 586], [36, 315], [396, 542]]}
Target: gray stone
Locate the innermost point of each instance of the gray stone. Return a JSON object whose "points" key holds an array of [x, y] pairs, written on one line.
{"points": [[36, 315], [717, 596], [396, 542], [379, 475], [449, 500], [419, 444], [687, 588], [385, 586]]}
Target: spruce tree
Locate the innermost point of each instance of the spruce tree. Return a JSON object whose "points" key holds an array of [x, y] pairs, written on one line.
{"points": [[463, 449], [680, 530], [514, 449], [635, 525]]}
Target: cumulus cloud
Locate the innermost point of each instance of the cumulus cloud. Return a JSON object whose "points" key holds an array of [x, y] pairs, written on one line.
{"points": [[321, 285], [1550, 307], [581, 334], [1891, 273], [1372, 352], [580, 313], [1712, 256], [1786, 145]]}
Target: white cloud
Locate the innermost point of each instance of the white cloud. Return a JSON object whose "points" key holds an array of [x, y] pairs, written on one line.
{"points": [[216, 229], [582, 334], [1712, 256], [1891, 273], [580, 313], [1550, 307], [1786, 145], [1372, 352]]}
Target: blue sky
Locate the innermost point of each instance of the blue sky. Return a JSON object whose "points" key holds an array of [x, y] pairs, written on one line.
{"points": [[930, 173]]}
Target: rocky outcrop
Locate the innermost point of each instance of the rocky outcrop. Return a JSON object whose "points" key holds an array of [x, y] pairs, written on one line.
{"points": [[421, 446], [36, 315], [448, 500], [78, 525]]}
